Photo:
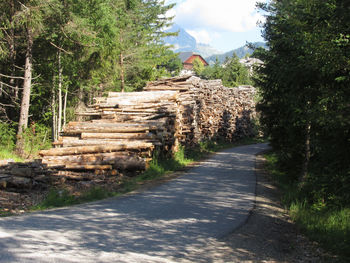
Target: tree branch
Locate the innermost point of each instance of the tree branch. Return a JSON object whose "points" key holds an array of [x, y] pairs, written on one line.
{"points": [[7, 85], [6, 105], [74, 41], [59, 48], [10, 77]]}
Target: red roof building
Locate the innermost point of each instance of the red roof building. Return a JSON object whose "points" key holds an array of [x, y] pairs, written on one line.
{"points": [[187, 59]]}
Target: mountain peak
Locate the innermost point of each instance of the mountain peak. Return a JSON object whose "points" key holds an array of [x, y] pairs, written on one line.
{"points": [[184, 42], [240, 52]]}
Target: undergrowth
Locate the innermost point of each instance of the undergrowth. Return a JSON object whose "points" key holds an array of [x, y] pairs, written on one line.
{"points": [[61, 198], [328, 225], [36, 138]]}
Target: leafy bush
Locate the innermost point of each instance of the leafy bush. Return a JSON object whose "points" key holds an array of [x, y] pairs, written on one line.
{"points": [[8, 136], [322, 221], [36, 137]]}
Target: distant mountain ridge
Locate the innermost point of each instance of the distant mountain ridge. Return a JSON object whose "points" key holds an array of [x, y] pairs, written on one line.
{"points": [[184, 42], [240, 52]]}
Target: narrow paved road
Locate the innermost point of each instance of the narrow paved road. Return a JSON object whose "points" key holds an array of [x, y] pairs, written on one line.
{"points": [[174, 222]]}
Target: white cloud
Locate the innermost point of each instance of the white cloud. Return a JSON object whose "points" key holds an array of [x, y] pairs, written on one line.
{"points": [[220, 15], [201, 36]]}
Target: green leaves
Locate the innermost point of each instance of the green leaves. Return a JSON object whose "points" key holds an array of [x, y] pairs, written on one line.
{"points": [[304, 81], [232, 72]]}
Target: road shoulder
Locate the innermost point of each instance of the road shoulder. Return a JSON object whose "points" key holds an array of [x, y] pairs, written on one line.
{"points": [[269, 235]]}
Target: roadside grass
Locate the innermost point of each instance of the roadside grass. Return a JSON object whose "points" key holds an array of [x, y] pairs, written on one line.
{"points": [[329, 226], [8, 154], [5, 214], [158, 167], [61, 197]]}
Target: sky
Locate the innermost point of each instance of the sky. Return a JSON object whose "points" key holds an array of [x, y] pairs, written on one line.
{"points": [[223, 24]]}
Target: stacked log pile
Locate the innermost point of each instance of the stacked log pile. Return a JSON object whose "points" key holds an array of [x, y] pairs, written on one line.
{"points": [[25, 175], [207, 110], [124, 130]]}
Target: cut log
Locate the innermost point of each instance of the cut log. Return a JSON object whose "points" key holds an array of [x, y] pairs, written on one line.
{"points": [[124, 136], [96, 149], [143, 96], [88, 158], [106, 128], [172, 88], [120, 163], [88, 167], [73, 143]]}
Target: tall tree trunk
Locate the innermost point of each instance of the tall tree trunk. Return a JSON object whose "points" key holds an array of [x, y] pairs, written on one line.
{"points": [[65, 107], [59, 92], [81, 104], [307, 154], [122, 76], [12, 48], [53, 108], [23, 117]]}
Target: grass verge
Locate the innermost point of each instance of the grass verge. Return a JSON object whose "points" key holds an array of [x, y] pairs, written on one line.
{"points": [[158, 167], [329, 226], [6, 154]]}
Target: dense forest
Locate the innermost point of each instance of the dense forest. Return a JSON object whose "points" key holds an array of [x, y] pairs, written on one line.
{"points": [[305, 95], [56, 55]]}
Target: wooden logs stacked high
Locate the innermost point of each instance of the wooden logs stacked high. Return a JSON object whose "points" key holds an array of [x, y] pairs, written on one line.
{"points": [[25, 175], [206, 109], [126, 127], [121, 136]]}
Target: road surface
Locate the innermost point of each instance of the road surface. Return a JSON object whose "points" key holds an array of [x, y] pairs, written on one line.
{"points": [[181, 220]]}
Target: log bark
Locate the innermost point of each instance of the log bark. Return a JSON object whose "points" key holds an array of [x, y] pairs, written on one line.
{"points": [[90, 142], [152, 97], [126, 136], [120, 163], [86, 158], [88, 167], [167, 95], [90, 127], [96, 149]]}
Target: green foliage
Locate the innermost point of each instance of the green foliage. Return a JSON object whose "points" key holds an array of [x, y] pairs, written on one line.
{"points": [[7, 142], [62, 197], [235, 74], [259, 53], [161, 165], [304, 83], [8, 136], [329, 225], [89, 37], [174, 65], [198, 66], [36, 138], [57, 198], [232, 73], [330, 228]]}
